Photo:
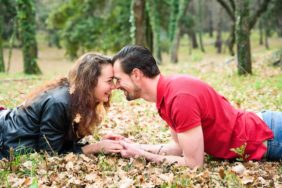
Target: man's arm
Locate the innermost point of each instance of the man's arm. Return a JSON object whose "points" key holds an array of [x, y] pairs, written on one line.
{"points": [[191, 142], [172, 148]]}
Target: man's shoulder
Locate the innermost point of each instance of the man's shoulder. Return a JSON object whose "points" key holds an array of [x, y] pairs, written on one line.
{"points": [[182, 80], [182, 83]]}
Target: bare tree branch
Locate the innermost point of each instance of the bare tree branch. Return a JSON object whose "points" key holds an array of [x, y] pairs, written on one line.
{"points": [[262, 9], [232, 3], [227, 9]]}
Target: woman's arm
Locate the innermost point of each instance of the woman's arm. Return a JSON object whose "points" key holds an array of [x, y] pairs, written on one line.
{"points": [[53, 127], [105, 146]]}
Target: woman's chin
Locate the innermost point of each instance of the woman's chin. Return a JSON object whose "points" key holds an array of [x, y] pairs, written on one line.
{"points": [[106, 99]]}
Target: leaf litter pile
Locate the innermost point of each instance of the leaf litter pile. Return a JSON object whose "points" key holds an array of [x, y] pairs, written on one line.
{"points": [[139, 121]]}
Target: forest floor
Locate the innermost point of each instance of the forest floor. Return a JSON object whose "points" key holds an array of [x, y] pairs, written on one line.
{"points": [[139, 121]]}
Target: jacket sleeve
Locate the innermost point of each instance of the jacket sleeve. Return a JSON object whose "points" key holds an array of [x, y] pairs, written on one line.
{"points": [[53, 127]]}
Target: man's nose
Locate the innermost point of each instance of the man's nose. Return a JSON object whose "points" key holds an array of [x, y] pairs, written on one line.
{"points": [[117, 85], [113, 86]]}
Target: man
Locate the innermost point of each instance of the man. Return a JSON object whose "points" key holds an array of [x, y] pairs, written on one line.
{"points": [[200, 119]]}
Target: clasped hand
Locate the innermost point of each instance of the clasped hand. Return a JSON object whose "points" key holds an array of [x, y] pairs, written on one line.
{"points": [[122, 145]]}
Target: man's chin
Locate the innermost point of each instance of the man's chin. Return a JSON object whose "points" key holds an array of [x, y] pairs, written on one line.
{"points": [[130, 98]]}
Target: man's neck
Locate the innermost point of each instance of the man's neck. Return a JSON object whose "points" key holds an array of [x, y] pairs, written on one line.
{"points": [[149, 89]]}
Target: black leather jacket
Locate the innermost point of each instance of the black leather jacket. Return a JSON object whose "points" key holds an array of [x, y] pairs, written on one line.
{"points": [[44, 125]]}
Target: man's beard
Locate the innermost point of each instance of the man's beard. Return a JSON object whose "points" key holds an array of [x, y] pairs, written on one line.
{"points": [[134, 95]]}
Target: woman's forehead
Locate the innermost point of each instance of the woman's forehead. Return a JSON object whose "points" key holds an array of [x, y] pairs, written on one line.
{"points": [[107, 71]]}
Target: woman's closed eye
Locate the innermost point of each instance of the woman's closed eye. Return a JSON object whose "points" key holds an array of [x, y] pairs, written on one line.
{"points": [[111, 81]]}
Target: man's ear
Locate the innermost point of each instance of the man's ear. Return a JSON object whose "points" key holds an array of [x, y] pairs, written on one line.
{"points": [[137, 73]]}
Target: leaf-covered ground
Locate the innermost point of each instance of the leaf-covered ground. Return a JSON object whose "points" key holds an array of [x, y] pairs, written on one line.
{"points": [[140, 121]]}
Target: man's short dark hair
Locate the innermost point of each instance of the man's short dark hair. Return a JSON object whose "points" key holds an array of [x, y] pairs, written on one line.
{"points": [[134, 56]]}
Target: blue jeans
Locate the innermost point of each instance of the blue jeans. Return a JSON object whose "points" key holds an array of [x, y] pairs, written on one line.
{"points": [[274, 146]]}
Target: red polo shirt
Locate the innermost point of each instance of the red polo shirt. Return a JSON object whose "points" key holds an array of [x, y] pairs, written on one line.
{"points": [[185, 102]]}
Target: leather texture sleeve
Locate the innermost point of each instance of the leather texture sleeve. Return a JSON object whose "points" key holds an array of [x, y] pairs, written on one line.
{"points": [[53, 127]]}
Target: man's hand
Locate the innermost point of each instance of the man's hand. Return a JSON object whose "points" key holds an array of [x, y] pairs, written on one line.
{"points": [[130, 150]]}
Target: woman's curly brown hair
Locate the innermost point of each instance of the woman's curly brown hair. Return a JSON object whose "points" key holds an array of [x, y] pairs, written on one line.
{"points": [[82, 79]]}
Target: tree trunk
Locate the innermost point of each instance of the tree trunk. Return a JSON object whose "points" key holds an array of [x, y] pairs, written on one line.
{"points": [[138, 19], [26, 23], [2, 64], [210, 23], [218, 42], [175, 28], [266, 38], [230, 10], [243, 37], [201, 42], [193, 39], [231, 40], [261, 32], [200, 27], [174, 4], [149, 33], [155, 25], [279, 23], [174, 51]]}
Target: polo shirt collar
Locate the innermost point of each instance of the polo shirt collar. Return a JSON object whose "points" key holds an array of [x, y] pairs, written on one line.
{"points": [[160, 91]]}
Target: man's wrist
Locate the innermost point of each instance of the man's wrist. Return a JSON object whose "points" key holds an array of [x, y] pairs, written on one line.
{"points": [[159, 151]]}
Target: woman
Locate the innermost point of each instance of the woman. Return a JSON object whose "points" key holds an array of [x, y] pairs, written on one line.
{"points": [[57, 115]]}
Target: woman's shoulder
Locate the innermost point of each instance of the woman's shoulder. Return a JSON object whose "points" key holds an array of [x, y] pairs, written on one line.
{"points": [[59, 95]]}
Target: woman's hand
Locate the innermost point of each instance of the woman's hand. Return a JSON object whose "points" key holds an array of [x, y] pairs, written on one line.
{"points": [[109, 146], [105, 146]]}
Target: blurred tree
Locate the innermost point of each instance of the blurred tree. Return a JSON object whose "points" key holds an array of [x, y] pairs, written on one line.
{"points": [[188, 22], [2, 64], [218, 42], [229, 7], [178, 9], [27, 30], [87, 25], [244, 23], [9, 27], [145, 28], [278, 15], [268, 23], [9, 14], [138, 21], [210, 19], [200, 27], [43, 9], [151, 7]]}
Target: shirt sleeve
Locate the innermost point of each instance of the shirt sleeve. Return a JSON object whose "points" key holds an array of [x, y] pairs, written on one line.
{"points": [[53, 127], [185, 112]]}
